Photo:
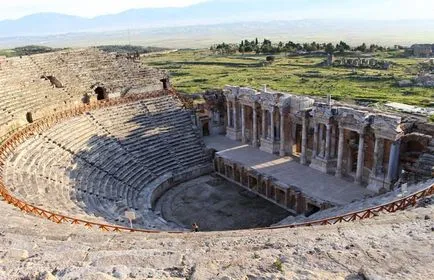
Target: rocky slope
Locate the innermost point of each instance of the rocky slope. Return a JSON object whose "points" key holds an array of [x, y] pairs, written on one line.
{"points": [[392, 246]]}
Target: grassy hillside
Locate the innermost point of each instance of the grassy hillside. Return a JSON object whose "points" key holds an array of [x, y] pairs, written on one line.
{"points": [[27, 50], [196, 70]]}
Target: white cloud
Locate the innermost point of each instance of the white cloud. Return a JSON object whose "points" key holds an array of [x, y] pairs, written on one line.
{"points": [[13, 9]]}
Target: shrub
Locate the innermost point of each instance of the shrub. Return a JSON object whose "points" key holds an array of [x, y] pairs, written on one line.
{"points": [[278, 264], [270, 58]]}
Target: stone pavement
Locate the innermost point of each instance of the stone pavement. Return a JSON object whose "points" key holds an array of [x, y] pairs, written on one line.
{"points": [[287, 170]]}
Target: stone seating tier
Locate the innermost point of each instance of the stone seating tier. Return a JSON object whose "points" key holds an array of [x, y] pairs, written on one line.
{"points": [[79, 71], [88, 167]]}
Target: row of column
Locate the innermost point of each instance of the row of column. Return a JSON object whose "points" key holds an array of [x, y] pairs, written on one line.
{"points": [[293, 200], [392, 169], [268, 125], [325, 149], [360, 155]]}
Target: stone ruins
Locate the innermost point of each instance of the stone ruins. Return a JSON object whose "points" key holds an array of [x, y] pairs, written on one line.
{"points": [[361, 63], [422, 50], [89, 136], [93, 135], [45, 83], [372, 148]]}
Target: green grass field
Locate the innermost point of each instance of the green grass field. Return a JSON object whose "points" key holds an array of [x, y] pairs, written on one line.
{"points": [[194, 71]]}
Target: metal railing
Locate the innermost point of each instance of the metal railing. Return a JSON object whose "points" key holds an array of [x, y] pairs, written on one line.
{"points": [[17, 137], [390, 207]]}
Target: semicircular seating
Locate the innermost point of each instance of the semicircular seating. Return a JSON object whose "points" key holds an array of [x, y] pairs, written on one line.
{"points": [[98, 165], [25, 86]]}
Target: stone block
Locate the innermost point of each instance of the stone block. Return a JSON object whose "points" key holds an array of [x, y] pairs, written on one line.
{"points": [[323, 165]]}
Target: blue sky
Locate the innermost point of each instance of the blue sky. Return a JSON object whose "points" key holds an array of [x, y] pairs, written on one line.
{"points": [[341, 9]]}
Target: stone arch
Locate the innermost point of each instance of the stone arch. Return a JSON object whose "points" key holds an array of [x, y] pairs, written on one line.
{"points": [[415, 146], [101, 93], [166, 83], [205, 129], [29, 117]]}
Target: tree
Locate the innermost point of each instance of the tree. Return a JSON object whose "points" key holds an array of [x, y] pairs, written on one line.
{"points": [[342, 47], [361, 48], [241, 48], [266, 46], [330, 48]]}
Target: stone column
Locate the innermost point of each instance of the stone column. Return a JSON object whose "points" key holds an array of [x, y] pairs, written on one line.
{"points": [[360, 158], [255, 132], [292, 139], [303, 157], [217, 117], [340, 152], [392, 169], [286, 197], [282, 134], [264, 123], [378, 156], [315, 141], [229, 113], [333, 142], [327, 141], [234, 111], [321, 141], [272, 125], [243, 124]]}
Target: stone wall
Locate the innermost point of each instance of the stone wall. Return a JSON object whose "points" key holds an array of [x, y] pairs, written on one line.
{"points": [[371, 63], [356, 142]]}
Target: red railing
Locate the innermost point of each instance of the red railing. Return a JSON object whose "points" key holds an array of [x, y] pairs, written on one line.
{"points": [[390, 207], [15, 138]]}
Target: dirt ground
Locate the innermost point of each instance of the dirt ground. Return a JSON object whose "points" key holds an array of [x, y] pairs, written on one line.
{"points": [[216, 204]]}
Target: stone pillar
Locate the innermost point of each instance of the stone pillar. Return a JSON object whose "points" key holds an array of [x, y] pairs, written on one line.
{"points": [[272, 125], [217, 117], [255, 132], [234, 111], [333, 142], [392, 170], [286, 197], [378, 156], [321, 141], [340, 152], [243, 124], [292, 139], [303, 157], [315, 141], [360, 159], [229, 113], [264, 123], [282, 134], [327, 141]]}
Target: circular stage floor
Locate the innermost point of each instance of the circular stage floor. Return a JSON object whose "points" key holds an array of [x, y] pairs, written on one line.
{"points": [[216, 204]]}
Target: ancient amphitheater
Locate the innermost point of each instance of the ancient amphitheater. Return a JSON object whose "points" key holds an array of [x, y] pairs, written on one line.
{"points": [[282, 186]]}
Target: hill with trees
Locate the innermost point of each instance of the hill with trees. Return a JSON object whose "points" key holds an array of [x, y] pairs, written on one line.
{"points": [[268, 47]]}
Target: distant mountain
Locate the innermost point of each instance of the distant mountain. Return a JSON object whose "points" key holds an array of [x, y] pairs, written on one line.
{"points": [[206, 13], [217, 11], [354, 32]]}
